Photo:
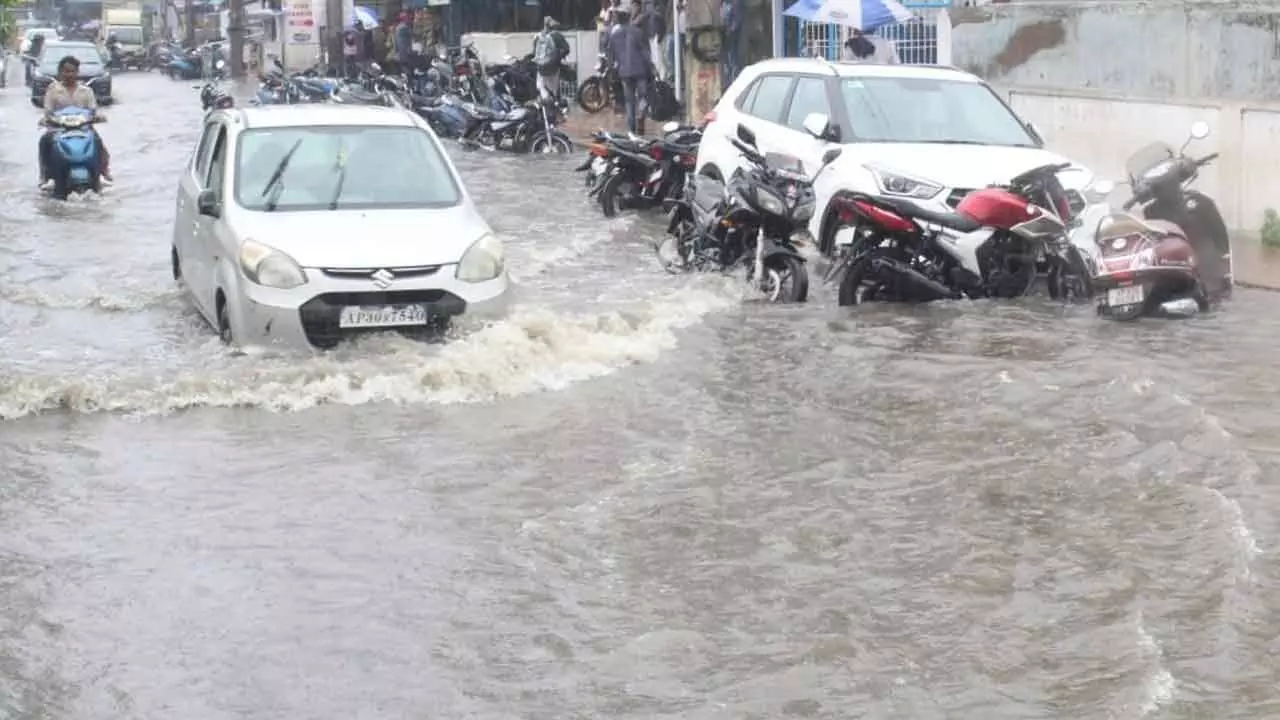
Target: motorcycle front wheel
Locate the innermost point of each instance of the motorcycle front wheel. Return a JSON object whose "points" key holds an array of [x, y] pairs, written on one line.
{"points": [[591, 95], [554, 144], [1068, 278], [786, 280], [616, 195]]}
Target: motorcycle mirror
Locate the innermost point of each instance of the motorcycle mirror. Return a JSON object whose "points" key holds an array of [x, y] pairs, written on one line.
{"points": [[670, 127], [746, 136], [1199, 130], [831, 155]]}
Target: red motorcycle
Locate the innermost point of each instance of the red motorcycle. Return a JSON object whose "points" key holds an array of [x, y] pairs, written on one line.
{"points": [[997, 243], [1175, 259]]}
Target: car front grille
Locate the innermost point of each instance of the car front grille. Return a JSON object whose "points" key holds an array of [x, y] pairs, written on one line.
{"points": [[397, 273], [320, 314]]}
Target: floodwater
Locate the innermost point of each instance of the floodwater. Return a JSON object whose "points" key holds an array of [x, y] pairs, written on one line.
{"points": [[642, 496]]}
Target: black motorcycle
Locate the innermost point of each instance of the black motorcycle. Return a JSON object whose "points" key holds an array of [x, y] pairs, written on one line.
{"points": [[630, 173], [757, 221], [532, 127], [601, 89]]}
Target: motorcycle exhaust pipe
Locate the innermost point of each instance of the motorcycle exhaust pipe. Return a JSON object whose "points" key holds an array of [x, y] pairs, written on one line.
{"points": [[917, 280]]}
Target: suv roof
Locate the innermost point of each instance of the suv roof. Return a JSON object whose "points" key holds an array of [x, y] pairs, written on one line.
{"points": [[855, 69], [318, 114]]}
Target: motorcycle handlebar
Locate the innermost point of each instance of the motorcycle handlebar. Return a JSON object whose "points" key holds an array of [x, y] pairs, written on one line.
{"points": [[1206, 159]]}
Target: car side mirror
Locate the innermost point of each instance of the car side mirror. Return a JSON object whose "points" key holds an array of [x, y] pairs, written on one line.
{"points": [[746, 136], [208, 205], [818, 125], [831, 155]]}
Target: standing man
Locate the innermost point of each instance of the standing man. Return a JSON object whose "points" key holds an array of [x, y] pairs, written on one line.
{"points": [[403, 39], [549, 51], [631, 53]]}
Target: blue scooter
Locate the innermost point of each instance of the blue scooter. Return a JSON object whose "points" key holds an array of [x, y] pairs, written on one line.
{"points": [[77, 165]]}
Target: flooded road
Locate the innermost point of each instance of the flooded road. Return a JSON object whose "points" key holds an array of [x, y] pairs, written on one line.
{"points": [[639, 497]]}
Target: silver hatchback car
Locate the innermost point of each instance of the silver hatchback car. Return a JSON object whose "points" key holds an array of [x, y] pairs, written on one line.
{"points": [[307, 224]]}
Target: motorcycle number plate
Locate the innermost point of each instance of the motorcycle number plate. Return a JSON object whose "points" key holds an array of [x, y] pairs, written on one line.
{"points": [[844, 236], [1121, 296]]}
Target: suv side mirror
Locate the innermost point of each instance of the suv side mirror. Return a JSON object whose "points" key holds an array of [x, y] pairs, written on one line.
{"points": [[746, 136], [207, 204], [818, 125]]}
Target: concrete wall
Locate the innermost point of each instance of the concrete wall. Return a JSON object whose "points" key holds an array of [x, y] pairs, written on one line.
{"points": [[1101, 80]]}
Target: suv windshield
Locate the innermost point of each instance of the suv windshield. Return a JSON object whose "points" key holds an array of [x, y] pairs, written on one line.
{"points": [[88, 55], [342, 167], [928, 110]]}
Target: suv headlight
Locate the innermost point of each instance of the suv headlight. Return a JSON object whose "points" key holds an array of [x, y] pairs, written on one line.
{"points": [[900, 185], [483, 261], [269, 267]]}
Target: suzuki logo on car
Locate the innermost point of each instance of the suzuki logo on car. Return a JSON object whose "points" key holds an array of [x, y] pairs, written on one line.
{"points": [[383, 278]]}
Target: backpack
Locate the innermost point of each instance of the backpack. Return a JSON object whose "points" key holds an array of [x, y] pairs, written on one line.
{"points": [[545, 52], [662, 101]]}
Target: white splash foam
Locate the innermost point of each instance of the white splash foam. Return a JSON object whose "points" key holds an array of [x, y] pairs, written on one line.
{"points": [[532, 351]]}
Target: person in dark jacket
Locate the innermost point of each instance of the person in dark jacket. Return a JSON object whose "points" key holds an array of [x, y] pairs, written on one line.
{"points": [[630, 50], [404, 42], [549, 52]]}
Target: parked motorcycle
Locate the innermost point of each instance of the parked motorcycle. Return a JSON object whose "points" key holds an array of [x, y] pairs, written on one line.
{"points": [[529, 128], [1176, 258], [757, 221], [601, 89], [629, 173], [996, 244]]}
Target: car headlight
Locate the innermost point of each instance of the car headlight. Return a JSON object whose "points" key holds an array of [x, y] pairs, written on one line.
{"points": [[894, 183], [269, 267], [770, 202], [483, 261]]}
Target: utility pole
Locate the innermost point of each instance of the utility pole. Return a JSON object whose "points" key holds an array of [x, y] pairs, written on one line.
{"points": [[332, 41], [235, 39], [189, 9]]}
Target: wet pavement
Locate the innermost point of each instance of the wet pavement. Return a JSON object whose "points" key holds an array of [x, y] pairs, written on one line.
{"points": [[641, 496]]}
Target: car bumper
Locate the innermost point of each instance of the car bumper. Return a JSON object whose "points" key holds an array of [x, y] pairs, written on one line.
{"points": [[310, 315]]}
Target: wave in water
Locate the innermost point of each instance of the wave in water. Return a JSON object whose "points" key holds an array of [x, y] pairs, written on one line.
{"points": [[534, 350]]}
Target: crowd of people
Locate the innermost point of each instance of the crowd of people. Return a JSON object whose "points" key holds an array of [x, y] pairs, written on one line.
{"points": [[632, 38]]}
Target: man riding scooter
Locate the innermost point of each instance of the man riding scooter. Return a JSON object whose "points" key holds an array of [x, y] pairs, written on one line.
{"points": [[68, 91]]}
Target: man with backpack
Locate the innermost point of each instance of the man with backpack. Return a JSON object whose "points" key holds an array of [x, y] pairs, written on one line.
{"points": [[549, 51]]}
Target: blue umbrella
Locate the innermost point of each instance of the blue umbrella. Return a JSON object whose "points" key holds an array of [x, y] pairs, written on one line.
{"points": [[364, 17], [865, 15]]}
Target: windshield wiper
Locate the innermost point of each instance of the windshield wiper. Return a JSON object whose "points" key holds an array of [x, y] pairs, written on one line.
{"points": [[342, 177], [274, 186]]}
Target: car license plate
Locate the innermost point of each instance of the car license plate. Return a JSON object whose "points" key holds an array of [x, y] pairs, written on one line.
{"points": [[375, 316], [1131, 295], [845, 235]]}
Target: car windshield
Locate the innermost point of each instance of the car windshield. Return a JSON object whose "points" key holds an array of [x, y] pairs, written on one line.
{"points": [[929, 110], [88, 55], [127, 35], [342, 167]]}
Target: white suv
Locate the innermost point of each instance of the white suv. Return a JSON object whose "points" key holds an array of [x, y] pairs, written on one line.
{"points": [[931, 134]]}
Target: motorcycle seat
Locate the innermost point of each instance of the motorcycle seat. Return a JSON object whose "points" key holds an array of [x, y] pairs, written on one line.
{"points": [[910, 209], [1121, 224], [708, 193]]}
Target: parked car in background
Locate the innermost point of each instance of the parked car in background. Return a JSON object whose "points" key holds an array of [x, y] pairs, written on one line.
{"points": [[93, 69], [930, 134]]}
